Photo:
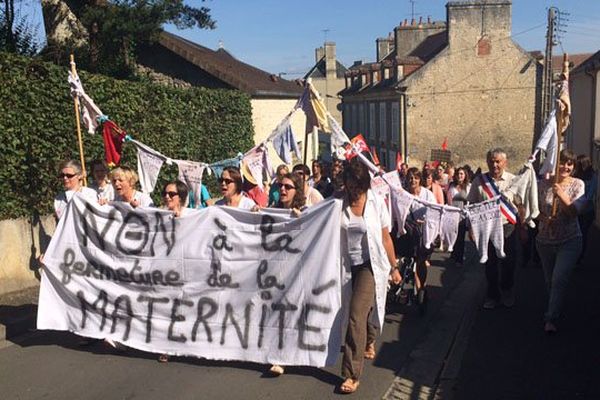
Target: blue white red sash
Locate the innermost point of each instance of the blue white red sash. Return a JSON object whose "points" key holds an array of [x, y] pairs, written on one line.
{"points": [[491, 190]]}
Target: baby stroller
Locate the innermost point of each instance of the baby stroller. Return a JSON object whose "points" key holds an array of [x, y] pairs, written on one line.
{"points": [[409, 248], [406, 292]]}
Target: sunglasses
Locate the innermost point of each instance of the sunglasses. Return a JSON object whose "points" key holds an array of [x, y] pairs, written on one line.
{"points": [[69, 176], [170, 194], [288, 187], [225, 181]]}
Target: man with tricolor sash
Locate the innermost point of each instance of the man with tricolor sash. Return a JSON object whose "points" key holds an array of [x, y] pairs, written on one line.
{"points": [[499, 272]]}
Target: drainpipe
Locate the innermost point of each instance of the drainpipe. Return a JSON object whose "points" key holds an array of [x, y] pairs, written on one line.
{"points": [[593, 116]]}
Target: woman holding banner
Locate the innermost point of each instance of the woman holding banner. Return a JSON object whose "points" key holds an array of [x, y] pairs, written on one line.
{"points": [[559, 240], [174, 196], [410, 244], [291, 192], [124, 180], [369, 252], [231, 188], [71, 176]]}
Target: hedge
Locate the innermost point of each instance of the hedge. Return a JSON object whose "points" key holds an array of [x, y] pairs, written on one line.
{"points": [[37, 128]]}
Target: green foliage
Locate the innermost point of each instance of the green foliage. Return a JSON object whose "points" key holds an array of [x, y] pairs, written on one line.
{"points": [[119, 28], [38, 130]]}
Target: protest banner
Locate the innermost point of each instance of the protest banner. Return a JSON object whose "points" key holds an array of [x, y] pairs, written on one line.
{"points": [[219, 283]]}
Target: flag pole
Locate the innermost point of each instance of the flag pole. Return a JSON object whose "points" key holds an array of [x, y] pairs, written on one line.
{"points": [[560, 117], [78, 123]]}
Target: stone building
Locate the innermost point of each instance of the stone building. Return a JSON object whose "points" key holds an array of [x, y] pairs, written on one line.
{"points": [[463, 79], [327, 76]]}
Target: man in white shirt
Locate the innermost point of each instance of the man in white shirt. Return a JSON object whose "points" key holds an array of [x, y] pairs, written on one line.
{"points": [[499, 272]]}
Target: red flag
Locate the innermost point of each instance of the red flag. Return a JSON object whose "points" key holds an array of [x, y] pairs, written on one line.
{"points": [[360, 143], [399, 160], [445, 144], [113, 142]]}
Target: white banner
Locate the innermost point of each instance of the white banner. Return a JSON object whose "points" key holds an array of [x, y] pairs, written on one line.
{"points": [[219, 283]]}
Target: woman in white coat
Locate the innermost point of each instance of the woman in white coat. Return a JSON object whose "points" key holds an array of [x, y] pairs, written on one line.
{"points": [[369, 252]]}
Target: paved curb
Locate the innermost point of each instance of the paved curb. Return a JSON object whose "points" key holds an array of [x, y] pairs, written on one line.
{"points": [[434, 364]]}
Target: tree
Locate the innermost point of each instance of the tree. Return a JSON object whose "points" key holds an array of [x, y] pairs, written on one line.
{"points": [[119, 28], [17, 35]]}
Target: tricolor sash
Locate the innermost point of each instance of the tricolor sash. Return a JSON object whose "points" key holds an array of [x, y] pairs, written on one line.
{"points": [[491, 190]]}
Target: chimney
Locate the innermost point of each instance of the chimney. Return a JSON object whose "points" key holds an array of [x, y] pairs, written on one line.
{"points": [[493, 19], [330, 63], [408, 38], [420, 21], [319, 53], [384, 47]]}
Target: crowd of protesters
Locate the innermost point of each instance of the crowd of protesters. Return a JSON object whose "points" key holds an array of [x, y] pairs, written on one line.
{"points": [[365, 221]]}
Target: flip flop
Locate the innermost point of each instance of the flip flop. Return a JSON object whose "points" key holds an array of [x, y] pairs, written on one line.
{"points": [[349, 386]]}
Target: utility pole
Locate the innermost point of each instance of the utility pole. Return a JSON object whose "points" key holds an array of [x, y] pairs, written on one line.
{"points": [[547, 86]]}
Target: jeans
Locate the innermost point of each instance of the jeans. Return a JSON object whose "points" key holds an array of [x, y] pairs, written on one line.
{"points": [[500, 272], [558, 261]]}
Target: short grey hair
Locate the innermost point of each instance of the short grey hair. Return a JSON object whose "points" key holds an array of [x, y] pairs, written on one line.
{"points": [[70, 164], [495, 152]]}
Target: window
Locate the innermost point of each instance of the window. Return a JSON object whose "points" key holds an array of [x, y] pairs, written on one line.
{"points": [[383, 133], [395, 123], [372, 132]]}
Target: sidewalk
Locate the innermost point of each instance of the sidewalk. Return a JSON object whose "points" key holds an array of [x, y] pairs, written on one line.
{"points": [[508, 355]]}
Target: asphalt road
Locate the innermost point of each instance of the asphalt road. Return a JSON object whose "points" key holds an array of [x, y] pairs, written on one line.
{"points": [[50, 365]]}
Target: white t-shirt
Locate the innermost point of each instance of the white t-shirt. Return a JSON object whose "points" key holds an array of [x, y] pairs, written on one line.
{"points": [[246, 203], [143, 199], [107, 192], [63, 198], [355, 228], [313, 196]]}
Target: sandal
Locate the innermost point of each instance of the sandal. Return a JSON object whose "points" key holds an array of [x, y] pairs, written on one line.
{"points": [[370, 351], [276, 370], [163, 358], [349, 386]]}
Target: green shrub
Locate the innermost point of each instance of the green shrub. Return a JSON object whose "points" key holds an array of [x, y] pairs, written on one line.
{"points": [[37, 128]]}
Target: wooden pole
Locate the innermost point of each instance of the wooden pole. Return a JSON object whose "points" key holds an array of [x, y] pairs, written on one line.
{"points": [[560, 114], [78, 123]]}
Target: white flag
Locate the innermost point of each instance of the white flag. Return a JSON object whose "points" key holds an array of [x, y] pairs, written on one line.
{"points": [[149, 163]]}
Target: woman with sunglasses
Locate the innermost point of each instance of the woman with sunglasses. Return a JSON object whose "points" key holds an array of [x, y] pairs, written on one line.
{"points": [[174, 195], [369, 256], [230, 183], [124, 180], [291, 192], [70, 176], [559, 239]]}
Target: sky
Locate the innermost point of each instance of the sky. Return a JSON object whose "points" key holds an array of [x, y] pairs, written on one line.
{"points": [[280, 36]]}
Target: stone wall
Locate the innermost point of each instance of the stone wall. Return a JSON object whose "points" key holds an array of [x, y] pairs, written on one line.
{"points": [[477, 97], [21, 242]]}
